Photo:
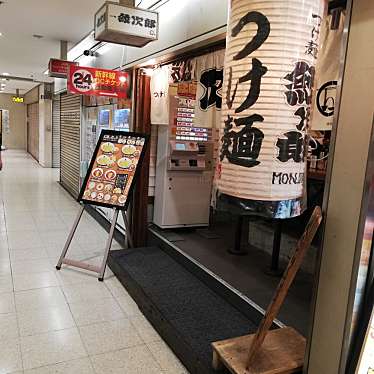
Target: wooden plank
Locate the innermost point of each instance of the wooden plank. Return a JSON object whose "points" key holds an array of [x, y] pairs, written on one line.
{"points": [[282, 352], [277, 351], [289, 275]]}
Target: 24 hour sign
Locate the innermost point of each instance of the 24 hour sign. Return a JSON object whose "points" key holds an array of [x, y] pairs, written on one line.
{"points": [[98, 82]]}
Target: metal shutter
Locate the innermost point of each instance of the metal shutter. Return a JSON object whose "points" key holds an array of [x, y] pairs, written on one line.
{"points": [[70, 142], [56, 131], [33, 130]]}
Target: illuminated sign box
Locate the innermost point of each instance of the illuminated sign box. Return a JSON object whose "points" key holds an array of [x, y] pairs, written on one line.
{"points": [[17, 99], [126, 25], [59, 68]]}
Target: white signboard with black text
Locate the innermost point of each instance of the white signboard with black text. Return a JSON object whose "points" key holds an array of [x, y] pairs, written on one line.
{"points": [[115, 23]]}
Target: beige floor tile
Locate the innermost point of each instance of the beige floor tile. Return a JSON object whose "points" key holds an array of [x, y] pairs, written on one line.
{"points": [[135, 360], [8, 326], [109, 336], [69, 275], [106, 309], [6, 283], [7, 304], [115, 287], [80, 366], [38, 321], [129, 306], [28, 239], [166, 358], [10, 356], [24, 282], [31, 266], [51, 348], [90, 290], [47, 297], [145, 329], [28, 254], [5, 268]]}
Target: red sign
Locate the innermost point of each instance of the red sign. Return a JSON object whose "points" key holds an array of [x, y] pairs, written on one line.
{"points": [[99, 82], [59, 68]]}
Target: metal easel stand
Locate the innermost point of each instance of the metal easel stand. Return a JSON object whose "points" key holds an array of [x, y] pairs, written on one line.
{"points": [[100, 270]]}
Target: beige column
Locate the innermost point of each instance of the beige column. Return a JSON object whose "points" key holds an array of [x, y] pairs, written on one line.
{"points": [[331, 324]]}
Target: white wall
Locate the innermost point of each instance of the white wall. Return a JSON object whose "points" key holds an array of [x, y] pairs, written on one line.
{"points": [[45, 132], [16, 139], [183, 23], [45, 124]]}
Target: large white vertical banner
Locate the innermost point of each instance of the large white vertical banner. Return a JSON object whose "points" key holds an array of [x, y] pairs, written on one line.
{"points": [[327, 73], [270, 59]]}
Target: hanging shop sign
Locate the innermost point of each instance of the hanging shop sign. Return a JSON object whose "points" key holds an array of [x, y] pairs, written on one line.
{"points": [[267, 94], [59, 68], [98, 82], [115, 23], [17, 99], [327, 74], [113, 169]]}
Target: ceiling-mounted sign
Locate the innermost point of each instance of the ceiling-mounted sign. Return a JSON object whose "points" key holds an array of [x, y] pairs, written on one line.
{"points": [[17, 99], [59, 68], [98, 82], [115, 23]]}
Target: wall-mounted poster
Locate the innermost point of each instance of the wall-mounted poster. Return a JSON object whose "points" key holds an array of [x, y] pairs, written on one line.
{"points": [[113, 169]]}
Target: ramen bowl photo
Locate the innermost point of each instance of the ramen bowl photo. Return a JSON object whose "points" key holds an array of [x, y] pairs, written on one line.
{"points": [[128, 150], [110, 175], [108, 147], [104, 160], [97, 172], [124, 163]]}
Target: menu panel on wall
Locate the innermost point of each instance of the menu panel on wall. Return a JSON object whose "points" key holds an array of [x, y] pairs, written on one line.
{"points": [[113, 169]]}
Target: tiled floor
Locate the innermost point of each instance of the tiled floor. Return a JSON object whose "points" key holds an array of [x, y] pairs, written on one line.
{"points": [[67, 321]]}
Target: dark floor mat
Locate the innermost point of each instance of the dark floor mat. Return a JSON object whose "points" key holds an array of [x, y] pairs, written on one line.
{"points": [[184, 310]]}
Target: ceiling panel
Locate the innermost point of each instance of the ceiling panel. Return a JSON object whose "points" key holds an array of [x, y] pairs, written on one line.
{"points": [[23, 55]]}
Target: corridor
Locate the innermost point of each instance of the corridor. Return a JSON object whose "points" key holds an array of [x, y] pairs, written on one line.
{"points": [[63, 322]]}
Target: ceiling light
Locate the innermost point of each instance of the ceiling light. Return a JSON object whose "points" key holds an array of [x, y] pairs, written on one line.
{"points": [[37, 36], [1, 34], [6, 74]]}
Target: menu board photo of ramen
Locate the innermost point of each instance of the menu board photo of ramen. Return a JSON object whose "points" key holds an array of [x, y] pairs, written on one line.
{"points": [[113, 169]]}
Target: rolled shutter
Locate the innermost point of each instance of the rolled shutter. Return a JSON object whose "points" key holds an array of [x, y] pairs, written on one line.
{"points": [[56, 131], [70, 143]]}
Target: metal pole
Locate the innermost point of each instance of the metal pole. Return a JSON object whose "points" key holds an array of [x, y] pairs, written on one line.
{"points": [[63, 49], [70, 237], [128, 232], [108, 244]]}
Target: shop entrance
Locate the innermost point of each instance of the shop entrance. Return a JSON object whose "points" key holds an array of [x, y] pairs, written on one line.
{"points": [[247, 250]]}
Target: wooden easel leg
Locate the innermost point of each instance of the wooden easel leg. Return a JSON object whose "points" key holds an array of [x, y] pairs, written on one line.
{"points": [[128, 232], [216, 363], [70, 237], [108, 244]]}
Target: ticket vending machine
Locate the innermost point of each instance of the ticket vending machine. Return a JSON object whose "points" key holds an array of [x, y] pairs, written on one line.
{"points": [[184, 170]]}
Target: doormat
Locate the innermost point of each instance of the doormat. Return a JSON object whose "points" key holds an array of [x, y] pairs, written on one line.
{"points": [[187, 314]]}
